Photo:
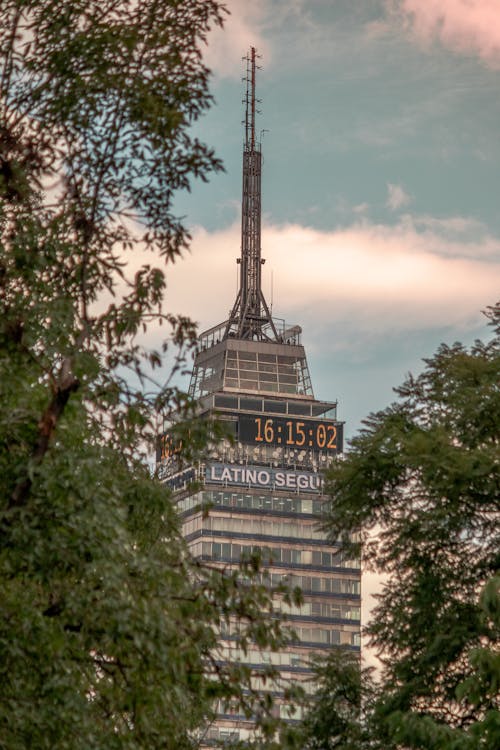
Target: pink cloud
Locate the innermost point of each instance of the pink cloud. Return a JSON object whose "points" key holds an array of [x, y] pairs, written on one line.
{"points": [[465, 26], [379, 277], [364, 281]]}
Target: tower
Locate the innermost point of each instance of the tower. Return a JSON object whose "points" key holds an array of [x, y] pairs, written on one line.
{"points": [[250, 317], [264, 486]]}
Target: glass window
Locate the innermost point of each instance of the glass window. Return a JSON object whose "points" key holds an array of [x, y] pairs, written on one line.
{"points": [[250, 384], [285, 366], [230, 402], [299, 409], [272, 387], [251, 404], [247, 366], [268, 377], [248, 356], [278, 407]]}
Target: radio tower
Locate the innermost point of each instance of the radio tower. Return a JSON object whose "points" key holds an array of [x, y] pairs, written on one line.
{"points": [[250, 317]]}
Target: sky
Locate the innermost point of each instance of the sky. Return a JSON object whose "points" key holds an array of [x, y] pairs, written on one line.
{"points": [[381, 222], [381, 219]]}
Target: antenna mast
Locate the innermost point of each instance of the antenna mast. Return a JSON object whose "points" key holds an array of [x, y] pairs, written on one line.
{"points": [[250, 317]]}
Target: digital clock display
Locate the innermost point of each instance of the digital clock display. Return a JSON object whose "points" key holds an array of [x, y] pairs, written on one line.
{"points": [[319, 435]]}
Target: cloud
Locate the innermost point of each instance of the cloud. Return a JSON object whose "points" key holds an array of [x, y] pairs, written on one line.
{"points": [[464, 26], [396, 197], [366, 279], [361, 208], [242, 30]]}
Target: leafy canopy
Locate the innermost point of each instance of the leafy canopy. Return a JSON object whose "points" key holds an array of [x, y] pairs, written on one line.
{"points": [[421, 488], [108, 629]]}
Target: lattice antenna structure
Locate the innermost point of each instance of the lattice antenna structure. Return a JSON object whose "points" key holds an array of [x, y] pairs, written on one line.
{"points": [[250, 317]]}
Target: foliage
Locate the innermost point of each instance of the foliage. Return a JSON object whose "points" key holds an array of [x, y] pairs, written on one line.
{"points": [[335, 719], [108, 631], [420, 486]]}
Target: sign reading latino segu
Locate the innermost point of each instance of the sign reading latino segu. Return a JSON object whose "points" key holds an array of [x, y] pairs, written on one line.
{"points": [[263, 477]]}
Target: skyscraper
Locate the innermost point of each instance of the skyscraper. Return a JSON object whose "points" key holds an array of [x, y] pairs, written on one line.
{"points": [[265, 485]]}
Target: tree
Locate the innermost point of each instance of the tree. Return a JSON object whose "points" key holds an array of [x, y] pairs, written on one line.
{"points": [[108, 630], [420, 487], [335, 719]]}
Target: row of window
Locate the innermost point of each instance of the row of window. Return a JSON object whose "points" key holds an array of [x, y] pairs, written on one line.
{"points": [[264, 502], [330, 609], [314, 584], [266, 373], [224, 734], [298, 408], [288, 371], [307, 583], [323, 636], [254, 527], [245, 356], [230, 552], [253, 657], [256, 385], [261, 357], [317, 609], [270, 503], [283, 710]]}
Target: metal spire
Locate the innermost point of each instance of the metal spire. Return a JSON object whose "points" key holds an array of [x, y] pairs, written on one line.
{"points": [[250, 317]]}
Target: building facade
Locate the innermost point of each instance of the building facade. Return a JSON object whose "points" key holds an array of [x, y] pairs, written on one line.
{"points": [[264, 484]]}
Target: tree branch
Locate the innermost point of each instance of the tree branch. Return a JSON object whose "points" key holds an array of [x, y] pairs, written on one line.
{"points": [[46, 428]]}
